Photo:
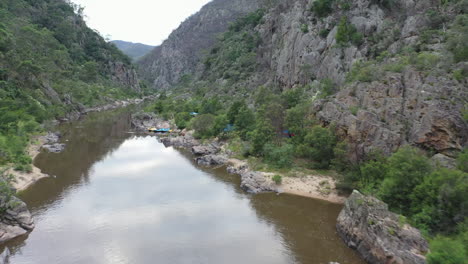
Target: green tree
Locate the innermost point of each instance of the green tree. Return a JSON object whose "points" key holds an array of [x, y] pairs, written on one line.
{"points": [[262, 134], [244, 121], [406, 169], [203, 125], [318, 146]]}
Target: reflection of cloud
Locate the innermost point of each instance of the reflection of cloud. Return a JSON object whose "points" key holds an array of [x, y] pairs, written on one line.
{"points": [[149, 204]]}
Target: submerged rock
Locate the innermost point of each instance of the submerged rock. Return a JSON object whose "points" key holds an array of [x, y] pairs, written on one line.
{"points": [[380, 236], [16, 220]]}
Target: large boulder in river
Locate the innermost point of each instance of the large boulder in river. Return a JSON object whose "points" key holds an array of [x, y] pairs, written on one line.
{"points": [[380, 236], [15, 218]]}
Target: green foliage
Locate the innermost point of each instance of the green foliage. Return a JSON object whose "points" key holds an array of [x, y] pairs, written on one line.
{"points": [[324, 33], [278, 179], [262, 134], [406, 169], [446, 250], [458, 38], [438, 203], [182, 119], [244, 121], [347, 33], [6, 193], [278, 156], [462, 161], [234, 55], [203, 125], [322, 7], [327, 87], [363, 72], [318, 146], [426, 61], [305, 28]]}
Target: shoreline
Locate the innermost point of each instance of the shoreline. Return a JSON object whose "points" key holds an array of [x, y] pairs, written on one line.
{"points": [[213, 153], [23, 180], [311, 186]]}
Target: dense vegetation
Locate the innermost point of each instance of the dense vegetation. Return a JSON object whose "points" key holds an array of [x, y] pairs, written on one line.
{"points": [[50, 63]]}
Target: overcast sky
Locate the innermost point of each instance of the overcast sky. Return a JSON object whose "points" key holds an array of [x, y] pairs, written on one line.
{"points": [[145, 21]]}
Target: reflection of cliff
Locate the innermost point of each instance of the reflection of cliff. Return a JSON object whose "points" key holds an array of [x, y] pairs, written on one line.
{"points": [[87, 141], [305, 225]]}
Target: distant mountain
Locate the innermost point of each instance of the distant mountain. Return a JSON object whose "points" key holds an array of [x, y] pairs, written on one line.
{"points": [[133, 50]]}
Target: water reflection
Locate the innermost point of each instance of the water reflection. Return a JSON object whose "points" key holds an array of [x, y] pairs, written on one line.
{"points": [[119, 198]]}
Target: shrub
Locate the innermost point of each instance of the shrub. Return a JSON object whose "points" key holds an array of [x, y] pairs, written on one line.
{"points": [[305, 28], [318, 146], [347, 32], [324, 33], [279, 156], [203, 125], [277, 179], [406, 169], [181, 119], [462, 160], [458, 37], [262, 134], [322, 7], [426, 61], [445, 250]]}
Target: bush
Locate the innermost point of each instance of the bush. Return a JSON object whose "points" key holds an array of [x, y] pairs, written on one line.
{"points": [[305, 28], [324, 33], [446, 250], [322, 7], [277, 179], [203, 125], [182, 119], [279, 156], [462, 160], [318, 146], [347, 32], [458, 37], [262, 134], [406, 169]]}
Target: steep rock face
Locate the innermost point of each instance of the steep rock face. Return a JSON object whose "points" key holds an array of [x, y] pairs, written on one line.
{"points": [[379, 235], [124, 75], [407, 108], [181, 52]]}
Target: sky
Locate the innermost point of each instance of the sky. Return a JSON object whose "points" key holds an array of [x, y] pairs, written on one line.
{"points": [[144, 21]]}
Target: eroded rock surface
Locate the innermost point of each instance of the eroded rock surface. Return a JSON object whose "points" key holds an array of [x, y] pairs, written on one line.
{"points": [[380, 236], [15, 219]]}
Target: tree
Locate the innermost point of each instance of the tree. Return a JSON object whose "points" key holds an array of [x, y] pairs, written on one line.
{"points": [[262, 134], [446, 251], [244, 121], [318, 146], [203, 125], [406, 170]]}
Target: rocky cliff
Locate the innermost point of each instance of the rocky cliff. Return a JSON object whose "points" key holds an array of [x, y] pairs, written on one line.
{"points": [[380, 236], [180, 54]]}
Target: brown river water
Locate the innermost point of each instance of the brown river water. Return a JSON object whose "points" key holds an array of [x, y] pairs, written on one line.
{"points": [[118, 197]]}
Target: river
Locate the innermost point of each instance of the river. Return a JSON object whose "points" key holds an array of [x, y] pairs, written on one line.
{"points": [[118, 197]]}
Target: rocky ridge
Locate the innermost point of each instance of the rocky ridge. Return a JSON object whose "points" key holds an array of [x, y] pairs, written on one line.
{"points": [[380, 236]]}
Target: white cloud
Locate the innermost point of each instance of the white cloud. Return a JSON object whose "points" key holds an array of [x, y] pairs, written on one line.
{"points": [[144, 21]]}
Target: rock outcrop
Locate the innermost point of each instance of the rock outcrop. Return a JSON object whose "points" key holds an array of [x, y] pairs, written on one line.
{"points": [[15, 219], [380, 236], [252, 181]]}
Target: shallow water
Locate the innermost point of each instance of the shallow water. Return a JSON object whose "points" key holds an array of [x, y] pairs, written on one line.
{"points": [[117, 197]]}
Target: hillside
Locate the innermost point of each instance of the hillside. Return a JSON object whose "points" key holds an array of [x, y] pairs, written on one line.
{"points": [[133, 50], [179, 55], [52, 65], [387, 73]]}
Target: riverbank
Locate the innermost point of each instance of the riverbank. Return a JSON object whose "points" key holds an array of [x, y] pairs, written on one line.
{"points": [[215, 153], [23, 180]]}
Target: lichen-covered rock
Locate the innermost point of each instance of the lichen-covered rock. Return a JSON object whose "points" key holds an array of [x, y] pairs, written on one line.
{"points": [[252, 181], [15, 220], [380, 236]]}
